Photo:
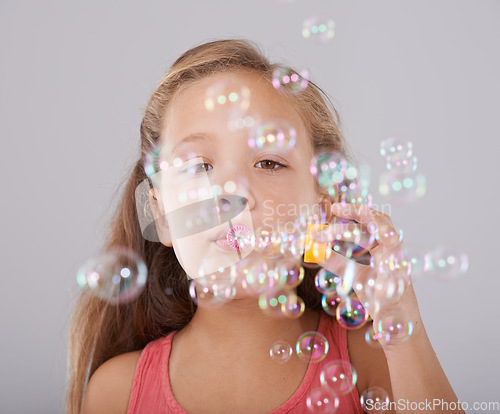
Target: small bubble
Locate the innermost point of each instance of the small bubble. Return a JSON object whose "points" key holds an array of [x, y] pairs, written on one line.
{"points": [[312, 347], [374, 400], [322, 400], [397, 325], [318, 30], [350, 313], [277, 135], [286, 79], [281, 352], [339, 376]]}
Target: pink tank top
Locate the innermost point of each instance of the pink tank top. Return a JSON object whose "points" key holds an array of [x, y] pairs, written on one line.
{"points": [[152, 394]]}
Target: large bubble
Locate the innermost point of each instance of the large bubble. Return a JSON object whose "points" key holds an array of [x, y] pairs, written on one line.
{"points": [[117, 276], [339, 376]]}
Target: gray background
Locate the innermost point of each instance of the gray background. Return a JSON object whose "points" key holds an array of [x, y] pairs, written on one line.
{"points": [[74, 77]]}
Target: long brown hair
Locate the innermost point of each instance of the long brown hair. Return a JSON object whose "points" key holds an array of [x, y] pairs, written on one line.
{"points": [[99, 330]]}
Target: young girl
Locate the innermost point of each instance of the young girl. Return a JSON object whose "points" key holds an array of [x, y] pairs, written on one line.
{"points": [[167, 353]]}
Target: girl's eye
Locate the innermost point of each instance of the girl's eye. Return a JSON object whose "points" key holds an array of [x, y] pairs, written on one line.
{"points": [[269, 165], [198, 168]]}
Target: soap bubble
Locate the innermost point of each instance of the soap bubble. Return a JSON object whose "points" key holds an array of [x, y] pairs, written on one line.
{"points": [[347, 237], [329, 302], [393, 145], [288, 80], [117, 276], [350, 313], [447, 262], [231, 95], [392, 263], [374, 400], [318, 30], [402, 188], [397, 325], [322, 400], [242, 122], [312, 347], [290, 272], [257, 274], [338, 176], [376, 339], [326, 281], [152, 162], [276, 135], [400, 163], [388, 233], [292, 241], [329, 168], [271, 300], [339, 376], [267, 242], [419, 260], [213, 289], [240, 237], [281, 352], [293, 307]]}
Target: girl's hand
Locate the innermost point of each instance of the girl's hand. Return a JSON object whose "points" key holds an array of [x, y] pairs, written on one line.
{"points": [[383, 286]]}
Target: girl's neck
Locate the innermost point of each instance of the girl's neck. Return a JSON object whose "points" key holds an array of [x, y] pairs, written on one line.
{"points": [[241, 321]]}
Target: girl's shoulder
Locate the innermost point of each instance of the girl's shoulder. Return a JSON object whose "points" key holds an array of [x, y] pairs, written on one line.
{"points": [[109, 388]]}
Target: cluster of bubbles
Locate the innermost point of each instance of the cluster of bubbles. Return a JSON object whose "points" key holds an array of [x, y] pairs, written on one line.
{"points": [[341, 178], [400, 182], [280, 255], [340, 301], [311, 347], [444, 262]]}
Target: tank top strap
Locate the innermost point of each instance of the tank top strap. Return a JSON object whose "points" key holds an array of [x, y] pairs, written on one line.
{"points": [[337, 338], [151, 390]]}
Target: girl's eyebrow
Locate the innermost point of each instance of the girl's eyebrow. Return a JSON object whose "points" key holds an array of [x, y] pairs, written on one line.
{"points": [[194, 137]]}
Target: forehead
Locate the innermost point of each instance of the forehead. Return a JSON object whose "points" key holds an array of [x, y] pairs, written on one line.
{"points": [[210, 102]]}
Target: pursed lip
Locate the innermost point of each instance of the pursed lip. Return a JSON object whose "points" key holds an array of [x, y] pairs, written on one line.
{"points": [[224, 245], [221, 240]]}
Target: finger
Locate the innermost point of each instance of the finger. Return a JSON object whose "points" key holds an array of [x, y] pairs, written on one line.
{"points": [[353, 232], [342, 266], [376, 222]]}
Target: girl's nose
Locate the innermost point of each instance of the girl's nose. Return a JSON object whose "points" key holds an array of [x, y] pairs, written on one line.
{"points": [[229, 206], [234, 188]]}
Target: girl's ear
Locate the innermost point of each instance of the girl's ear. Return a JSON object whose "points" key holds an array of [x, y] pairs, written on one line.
{"points": [[159, 217]]}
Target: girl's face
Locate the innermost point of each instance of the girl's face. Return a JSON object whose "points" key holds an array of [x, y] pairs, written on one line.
{"points": [[231, 161]]}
